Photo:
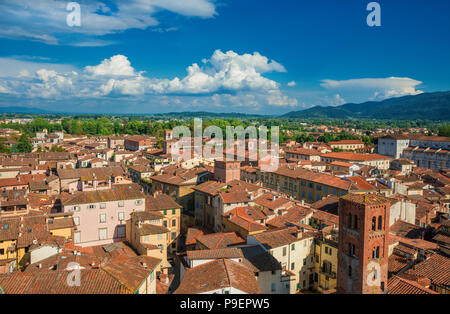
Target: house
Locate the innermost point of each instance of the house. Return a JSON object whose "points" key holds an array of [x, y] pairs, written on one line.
{"points": [[100, 215], [171, 217], [139, 142], [294, 250], [230, 277]]}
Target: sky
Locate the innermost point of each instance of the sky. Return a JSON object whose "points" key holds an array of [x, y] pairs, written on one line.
{"points": [[249, 56]]}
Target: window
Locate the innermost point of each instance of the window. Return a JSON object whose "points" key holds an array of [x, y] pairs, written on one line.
{"points": [[138, 202], [292, 266], [326, 250], [374, 223], [355, 222], [376, 252], [102, 234], [349, 220], [304, 261], [174, 222], [174, 211], [349, 271], [273, 287], [76, 221], [121, 216], [76, 208], [165, 223], [380, 222], [102, 205], [2, 251], [121, 231], [91, 206], [174, 235], [77, 237], [284, 251], [121, 204], [293, 247], [351, 249], [102, 218]]}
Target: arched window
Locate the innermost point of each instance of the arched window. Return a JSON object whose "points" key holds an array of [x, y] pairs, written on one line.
{"points": [[374, 223], [349, 222], [376, 252], [349, 271], [355, 222], [380, 222]]}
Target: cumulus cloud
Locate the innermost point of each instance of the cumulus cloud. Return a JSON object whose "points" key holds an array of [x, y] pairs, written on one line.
{"points": [[291, 84], [117, 65], [223, 79], [45, 20], [223, 72], [379, 88]]}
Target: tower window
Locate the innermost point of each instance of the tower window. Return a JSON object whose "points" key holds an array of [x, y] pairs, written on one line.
{"points": [[380, 222], [374, 223], [349, 271], [355, 222], [349, 222]]}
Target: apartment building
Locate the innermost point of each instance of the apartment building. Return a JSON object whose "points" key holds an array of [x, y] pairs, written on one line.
{"points": [[431, 152], [100, 216], [375, 160], [304, 184], [347, 145], [294, 249], [171, 217]]}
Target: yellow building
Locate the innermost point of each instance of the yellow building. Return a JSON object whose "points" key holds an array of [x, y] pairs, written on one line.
{"points": [[347, 145], [325, 264], [61, 224], [147, 235], [171, 212], [303, 184]]}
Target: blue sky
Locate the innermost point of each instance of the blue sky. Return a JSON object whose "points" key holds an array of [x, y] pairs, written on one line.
{"points": [[252, 56]]}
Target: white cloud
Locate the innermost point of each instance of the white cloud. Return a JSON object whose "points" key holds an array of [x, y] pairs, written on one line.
{"points": [[379, 88], [225, 79], [45, 20], [117, 65], [291, 84]]}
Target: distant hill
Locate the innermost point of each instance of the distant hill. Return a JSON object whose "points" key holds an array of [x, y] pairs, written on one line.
{"points": [[203, 114], [430, 106], [29, 110]]}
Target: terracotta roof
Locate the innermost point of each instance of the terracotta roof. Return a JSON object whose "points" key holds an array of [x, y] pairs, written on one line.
{"points": [[279, 237], [346, 142], [94, 281], [227, 273], [116, 193], [160, 202], [220, 240], [398, 285], [366, 199], [90, 173], [215, 253], [356, 157], [436, 268]]}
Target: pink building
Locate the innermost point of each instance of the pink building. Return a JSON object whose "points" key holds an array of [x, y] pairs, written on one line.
{"points": [[100, 216]]}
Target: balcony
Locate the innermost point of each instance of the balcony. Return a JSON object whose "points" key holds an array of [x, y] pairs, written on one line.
{"points": [[328, 273]]}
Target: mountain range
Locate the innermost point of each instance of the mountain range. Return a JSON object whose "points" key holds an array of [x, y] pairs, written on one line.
{"points": [[426, 106]]}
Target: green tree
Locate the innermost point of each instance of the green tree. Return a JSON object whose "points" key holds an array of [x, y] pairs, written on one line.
{"points": [[24, 145], [444, 130]]}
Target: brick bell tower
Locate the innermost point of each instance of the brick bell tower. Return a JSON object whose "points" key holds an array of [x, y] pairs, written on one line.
{"points": [[363, 244]]}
